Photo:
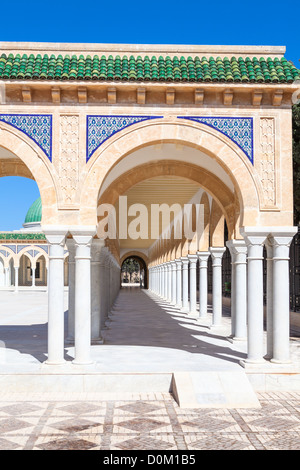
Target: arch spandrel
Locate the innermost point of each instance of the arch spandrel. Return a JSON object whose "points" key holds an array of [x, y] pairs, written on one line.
{"points": [[37, 164], [209, 141]]}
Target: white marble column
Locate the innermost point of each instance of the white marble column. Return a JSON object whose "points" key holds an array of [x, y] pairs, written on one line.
{"points": [[169, 290], [238, 251], [281, 296], [33, 267], [216, 256], [71, 294], [16, 268], [106, 264], [178, 283], [56, 238], [173, 276], [193, 283], [203, 259], [161, 279], [269, 249], [255, 307], [185, 284], [6, 276], [165, 281], [96, 280], [83, 239]]}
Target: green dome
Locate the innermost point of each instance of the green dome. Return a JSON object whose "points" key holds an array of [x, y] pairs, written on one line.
{"points": [[34, 214]]}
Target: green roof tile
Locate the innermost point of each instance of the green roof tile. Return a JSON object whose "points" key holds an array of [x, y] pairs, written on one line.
{"points": [[176, 69]]}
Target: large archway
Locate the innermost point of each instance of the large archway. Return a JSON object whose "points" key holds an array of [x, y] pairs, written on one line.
{"points": [[218, 149], [133, 264], [21, 156]]}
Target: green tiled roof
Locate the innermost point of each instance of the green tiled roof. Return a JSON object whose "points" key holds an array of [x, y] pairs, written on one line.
{"points": [[21, 236], [129, 68], [34, 213]]}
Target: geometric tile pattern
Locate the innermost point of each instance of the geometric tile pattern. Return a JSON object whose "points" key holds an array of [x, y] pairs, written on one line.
{"points": [[100, 128], [154, 423], [238, 129], [36, 126]]}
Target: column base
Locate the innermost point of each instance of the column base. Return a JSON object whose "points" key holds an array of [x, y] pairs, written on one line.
{"points": [[253, 365], [193, 315], [204, 320], [69, 340], [236, 339], [55, 363], [277, 361], [97, 341], [215, 327], [184, 309], [84, 363]]}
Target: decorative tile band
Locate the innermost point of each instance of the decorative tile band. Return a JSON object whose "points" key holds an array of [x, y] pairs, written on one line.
{"points": [[21, 236], [238, 129], [44, 247], [11, 247], [5, 253], [100, 128], [20, 248], [36, 126]]}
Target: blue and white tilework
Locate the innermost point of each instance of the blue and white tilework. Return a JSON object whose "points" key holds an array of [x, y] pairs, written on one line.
{"points": [[238, 129], [36, 126], [100, 128]]}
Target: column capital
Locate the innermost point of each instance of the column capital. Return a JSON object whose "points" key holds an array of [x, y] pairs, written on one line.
{"points": [[185, 261], [236, 246], [55, 234], [173, 265], [192, 257], [203, 255], [279, 239], [217, 252], [83, 235]]}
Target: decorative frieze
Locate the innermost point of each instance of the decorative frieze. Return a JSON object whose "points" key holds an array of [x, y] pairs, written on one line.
{"points": [[266, 166], [68, 157]]}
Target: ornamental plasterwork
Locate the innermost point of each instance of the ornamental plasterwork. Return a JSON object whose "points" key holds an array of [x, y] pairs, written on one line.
{"points": [[68, 157], [266, 167], [100, 128], [36, 126], [238, 129]]}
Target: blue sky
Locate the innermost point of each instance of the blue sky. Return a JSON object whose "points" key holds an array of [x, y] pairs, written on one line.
{"points": [[137, 22]]}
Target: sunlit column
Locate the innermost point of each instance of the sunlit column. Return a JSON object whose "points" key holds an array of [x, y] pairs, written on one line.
{"points": [[16, 268], [185, 284], [281, 304], [56, 239], [216, 256], [71, 294], [203, 259], [83, 241], [178, 283], [255, 307], [173, 275], [193, 283]]}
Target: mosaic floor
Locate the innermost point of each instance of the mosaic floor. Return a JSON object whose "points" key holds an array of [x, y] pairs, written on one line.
{"points": [[154, 423]]}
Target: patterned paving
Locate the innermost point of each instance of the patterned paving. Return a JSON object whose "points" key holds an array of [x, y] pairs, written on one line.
{"points": [[155, 423]]}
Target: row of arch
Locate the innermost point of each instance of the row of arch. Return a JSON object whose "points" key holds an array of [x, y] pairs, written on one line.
{"points": [[241, 207], [23, 269]]}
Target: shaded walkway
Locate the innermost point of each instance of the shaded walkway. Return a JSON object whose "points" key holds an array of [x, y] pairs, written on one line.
{"points": [[147, 334]]}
